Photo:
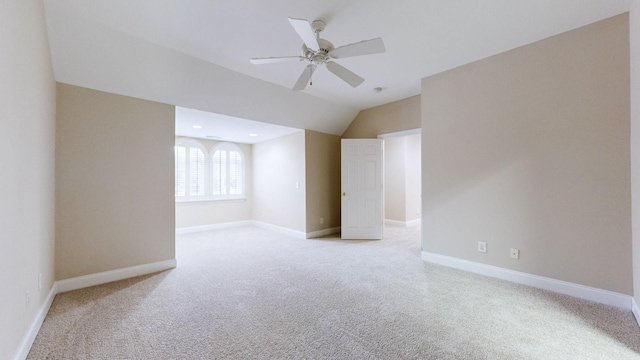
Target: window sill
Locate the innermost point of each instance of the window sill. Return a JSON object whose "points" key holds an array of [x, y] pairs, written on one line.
{"points": [[204, 201]]}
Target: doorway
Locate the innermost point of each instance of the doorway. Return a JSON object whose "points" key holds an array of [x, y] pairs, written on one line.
{"points": [[402, 178]]}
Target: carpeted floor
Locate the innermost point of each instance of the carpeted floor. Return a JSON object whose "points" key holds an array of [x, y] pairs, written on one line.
{"points": [[248, 293]]}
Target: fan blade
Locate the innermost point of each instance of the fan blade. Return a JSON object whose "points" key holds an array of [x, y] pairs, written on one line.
{"points": [[344, 74], [366, 47], [306, 33], [304, 78], [260, 61]]}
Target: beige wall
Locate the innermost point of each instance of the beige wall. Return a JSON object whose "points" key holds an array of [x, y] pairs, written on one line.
{"points": [[388, 118], [322, 171], [200, 213], [634, 32], [530, 149], [278, 165], [27, 145], [114, 182]]}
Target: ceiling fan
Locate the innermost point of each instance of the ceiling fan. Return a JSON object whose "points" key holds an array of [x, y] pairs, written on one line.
{"points": [[319, 51]]}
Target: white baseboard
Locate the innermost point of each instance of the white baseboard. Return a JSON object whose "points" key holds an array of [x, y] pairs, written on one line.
{"points": [[323, 232], [635, 310], [563, 287], [260, 224], [409, 223], [280, 229], [193, 229], [295, 233], [390, 222], [34, 328], [81, 282]]}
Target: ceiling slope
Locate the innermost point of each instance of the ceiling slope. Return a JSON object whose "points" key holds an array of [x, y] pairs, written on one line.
{"points": [[194, 53], [107, 60]]}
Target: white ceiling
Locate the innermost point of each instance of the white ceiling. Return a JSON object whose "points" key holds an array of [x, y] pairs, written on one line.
{"points": [[194, 53], [206, 125]]}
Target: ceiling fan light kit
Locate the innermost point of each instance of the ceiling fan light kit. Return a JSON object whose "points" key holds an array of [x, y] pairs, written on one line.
{"points": [[318, 51]]}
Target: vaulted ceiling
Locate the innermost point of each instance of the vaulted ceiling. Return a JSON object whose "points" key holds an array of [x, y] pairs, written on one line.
{"points": [[195, 53]]}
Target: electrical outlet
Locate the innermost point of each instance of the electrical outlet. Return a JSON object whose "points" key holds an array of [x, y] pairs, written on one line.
{"points": [[321, 220], [39, 281], [482, 246], [515, 253]]}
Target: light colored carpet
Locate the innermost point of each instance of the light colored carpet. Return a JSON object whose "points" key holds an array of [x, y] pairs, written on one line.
{"points": [[248, 293]]}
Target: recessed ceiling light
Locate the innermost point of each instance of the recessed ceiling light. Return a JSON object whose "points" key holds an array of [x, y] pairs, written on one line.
{"points": [[197, 127], [253, 135]]}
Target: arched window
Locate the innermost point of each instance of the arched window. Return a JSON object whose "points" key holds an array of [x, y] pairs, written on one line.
{"points": [[227, 171], [202, 175], [190, 169]]}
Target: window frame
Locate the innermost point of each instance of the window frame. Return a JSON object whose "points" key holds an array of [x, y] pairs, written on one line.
{"points": [[190, 143], [228, 147], [208, 177]]}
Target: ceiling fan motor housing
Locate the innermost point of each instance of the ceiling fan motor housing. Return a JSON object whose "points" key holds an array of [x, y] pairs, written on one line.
{"points": [[318, 57]]}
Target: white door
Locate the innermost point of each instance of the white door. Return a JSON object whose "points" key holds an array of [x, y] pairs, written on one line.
{"points": [[362, 193]]}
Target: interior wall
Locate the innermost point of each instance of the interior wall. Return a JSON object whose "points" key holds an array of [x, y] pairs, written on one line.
{"points": [[114, 163], [322, 171], [395, 179], [201, 213], [413, 184], [384, 119], [529, 149], [279, 187], [634, 33], [27, 146]]}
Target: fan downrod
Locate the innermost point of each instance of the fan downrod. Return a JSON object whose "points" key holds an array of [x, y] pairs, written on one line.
{"points": [[322, 55], [318, 26]]}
